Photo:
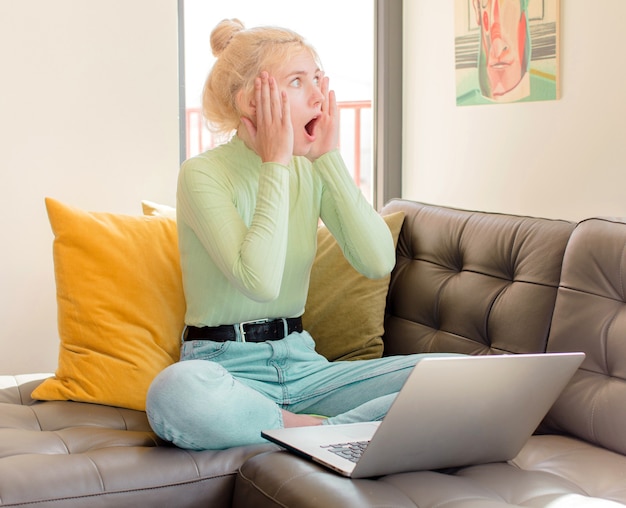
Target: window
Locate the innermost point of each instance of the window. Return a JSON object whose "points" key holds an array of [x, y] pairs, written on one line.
{"points": [[344, 35]]}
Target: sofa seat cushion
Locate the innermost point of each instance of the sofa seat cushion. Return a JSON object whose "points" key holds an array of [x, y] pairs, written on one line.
{"points": [[597, 471], [70, 454], [554, 471]]}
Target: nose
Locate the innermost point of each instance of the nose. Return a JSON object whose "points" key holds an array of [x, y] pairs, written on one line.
{"points": [[317, 97], [498, 45]]}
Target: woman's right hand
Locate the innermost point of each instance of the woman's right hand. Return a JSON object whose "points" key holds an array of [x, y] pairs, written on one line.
{"points": [[271, 136]]}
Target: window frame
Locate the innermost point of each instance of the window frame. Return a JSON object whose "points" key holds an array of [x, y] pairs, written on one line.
{"points": [[387, 102], [182, 103]]}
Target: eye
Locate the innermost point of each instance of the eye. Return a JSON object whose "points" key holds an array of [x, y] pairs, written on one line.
{"points": [[316, 80], [296, 83]]}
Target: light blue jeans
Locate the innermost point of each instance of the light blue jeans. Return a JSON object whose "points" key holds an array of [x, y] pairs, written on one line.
{"points": [[222, 394]]}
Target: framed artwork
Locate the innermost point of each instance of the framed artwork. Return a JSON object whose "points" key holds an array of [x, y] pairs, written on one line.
{"points": [[506, 51]]}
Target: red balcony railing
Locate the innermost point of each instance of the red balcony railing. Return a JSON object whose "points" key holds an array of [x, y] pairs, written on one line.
{"points": [[357, 107], [199, 138]]}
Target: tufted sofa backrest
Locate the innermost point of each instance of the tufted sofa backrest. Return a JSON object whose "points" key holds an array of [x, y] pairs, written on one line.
{"points": [[472, 282], [590, 316]]}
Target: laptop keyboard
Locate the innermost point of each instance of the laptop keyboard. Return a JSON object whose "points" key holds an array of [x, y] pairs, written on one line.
{"points": [[351, 451]]}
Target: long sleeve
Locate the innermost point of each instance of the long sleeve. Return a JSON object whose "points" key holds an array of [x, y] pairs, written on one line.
{"points": [[250, 253], [247, 232], [360, 231], [246, 235]]}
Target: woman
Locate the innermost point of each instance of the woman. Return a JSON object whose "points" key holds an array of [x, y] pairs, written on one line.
{"points": [[247, 215]]}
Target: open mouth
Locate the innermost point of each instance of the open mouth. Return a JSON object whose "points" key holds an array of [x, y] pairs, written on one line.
{"points": [[310, 127]]}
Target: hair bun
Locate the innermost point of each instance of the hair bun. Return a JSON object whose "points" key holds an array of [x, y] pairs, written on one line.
{"points": [[223, 33]]}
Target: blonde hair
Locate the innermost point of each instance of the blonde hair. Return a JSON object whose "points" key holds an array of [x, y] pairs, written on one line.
{"points": [[241, 56]]}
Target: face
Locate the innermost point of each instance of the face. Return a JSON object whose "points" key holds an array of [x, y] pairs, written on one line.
{"points": [[505, 45], [301, 79]]}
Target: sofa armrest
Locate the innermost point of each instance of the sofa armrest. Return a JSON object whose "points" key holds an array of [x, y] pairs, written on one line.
{"points": [[17, 389]]}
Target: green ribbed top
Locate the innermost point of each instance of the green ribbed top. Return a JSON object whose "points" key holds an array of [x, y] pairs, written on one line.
{"points": [[247, 232]]}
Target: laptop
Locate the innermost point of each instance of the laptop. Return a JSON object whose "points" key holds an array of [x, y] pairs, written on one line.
{"points": [[452, 411]]}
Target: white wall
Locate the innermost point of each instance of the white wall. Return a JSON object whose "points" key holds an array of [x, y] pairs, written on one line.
{"points": [[560, 159], [89, 116]]}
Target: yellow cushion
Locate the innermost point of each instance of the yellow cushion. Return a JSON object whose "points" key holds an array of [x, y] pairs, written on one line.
{"points": [[157, 209], [345, 310], [120, 305]]}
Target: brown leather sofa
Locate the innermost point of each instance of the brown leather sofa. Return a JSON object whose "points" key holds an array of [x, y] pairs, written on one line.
{"points": [[471, 282]]}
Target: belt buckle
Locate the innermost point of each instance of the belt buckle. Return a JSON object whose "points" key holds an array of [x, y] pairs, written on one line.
{"points": [[242, 332], [241, 337]]}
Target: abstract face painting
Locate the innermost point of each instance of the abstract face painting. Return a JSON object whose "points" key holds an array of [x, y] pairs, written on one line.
{"points": [[497, 44]]}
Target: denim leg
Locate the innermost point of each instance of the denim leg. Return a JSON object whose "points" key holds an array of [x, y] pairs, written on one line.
{"points": [[349, 391], [371, 411], [223, 394], [198, 405], [355, 391]]}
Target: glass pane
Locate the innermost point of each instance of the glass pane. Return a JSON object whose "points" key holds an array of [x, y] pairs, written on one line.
{"points": [[343, 35]]}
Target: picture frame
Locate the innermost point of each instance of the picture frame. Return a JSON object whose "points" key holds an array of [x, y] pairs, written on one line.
{"points": [[506, 51]]}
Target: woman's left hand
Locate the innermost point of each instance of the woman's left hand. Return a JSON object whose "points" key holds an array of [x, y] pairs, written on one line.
{"points": [[326, 129]]}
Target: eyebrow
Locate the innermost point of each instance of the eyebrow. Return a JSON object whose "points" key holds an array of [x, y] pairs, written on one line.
{"points": [[302, 73]]}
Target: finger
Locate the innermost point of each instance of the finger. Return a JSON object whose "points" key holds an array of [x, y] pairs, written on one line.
{"points": [[276, 103], [257, 98], [325, 85], [324, 88], [285, 109], [265, 98], [332, 103]]}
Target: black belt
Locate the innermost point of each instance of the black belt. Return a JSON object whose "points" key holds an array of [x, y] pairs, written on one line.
{"points": [[248, 331]]}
